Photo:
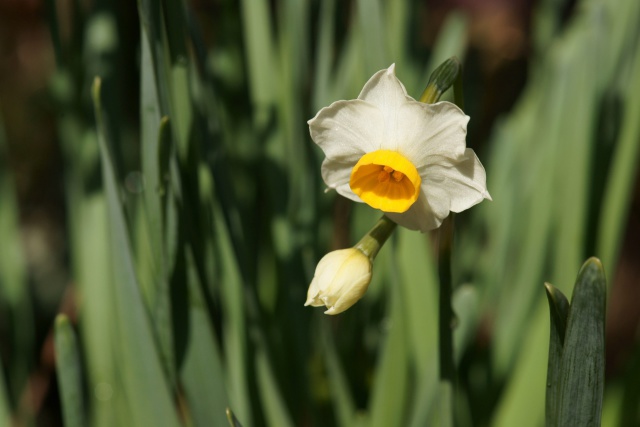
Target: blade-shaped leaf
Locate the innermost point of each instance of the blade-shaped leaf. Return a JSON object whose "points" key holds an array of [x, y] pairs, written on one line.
{"points": [[146, 386], [69, 373], [5, 413], [202, 371], [275, 409], [390, 388], [558, 313], [582, 369], [340, 393], [233, 421]]}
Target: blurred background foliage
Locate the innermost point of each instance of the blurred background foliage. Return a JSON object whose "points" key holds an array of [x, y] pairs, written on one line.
{"points": [[172, 210]]}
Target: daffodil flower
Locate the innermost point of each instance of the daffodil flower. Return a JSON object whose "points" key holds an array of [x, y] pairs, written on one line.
{"points": [[341, 279], [406, 158]]}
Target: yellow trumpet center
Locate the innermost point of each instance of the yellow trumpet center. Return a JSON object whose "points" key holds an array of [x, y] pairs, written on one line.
{"points": [[386, 180]]}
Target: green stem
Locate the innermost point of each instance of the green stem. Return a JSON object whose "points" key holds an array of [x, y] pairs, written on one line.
{"points": [[371, 243], [447, 316], [448, 74]]}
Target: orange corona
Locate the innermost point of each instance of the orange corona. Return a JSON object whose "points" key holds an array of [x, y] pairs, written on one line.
{"points": [[386, 180]]}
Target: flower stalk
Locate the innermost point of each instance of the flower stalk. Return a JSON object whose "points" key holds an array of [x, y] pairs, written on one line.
{"points": [[371, 242], [448, 74]]}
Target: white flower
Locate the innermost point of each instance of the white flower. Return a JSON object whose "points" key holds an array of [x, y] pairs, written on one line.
{"points": [[341, 278], [407, 158]]}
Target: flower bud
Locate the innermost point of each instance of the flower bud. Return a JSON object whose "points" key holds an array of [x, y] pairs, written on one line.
{"points": [[341, 278]]}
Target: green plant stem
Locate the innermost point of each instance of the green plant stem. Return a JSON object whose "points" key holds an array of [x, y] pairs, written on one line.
{"points": [[447, 317], [448, 74], [371, 243]]}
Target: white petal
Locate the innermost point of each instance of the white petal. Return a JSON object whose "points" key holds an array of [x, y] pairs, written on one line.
{"points": [[427, 213], [352, 294], [464, 180], [328, 268], [346, 130], [313, 295], [425, 130], [385, 91], [337, 175]]}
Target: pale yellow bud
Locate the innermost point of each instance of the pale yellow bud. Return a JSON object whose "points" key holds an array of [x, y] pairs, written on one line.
{"points": [[341, 279]]}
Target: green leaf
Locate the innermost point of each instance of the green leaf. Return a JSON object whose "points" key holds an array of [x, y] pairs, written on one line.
{"points": [[94, 276], [234, 322], [155, 154], [558, 310], [582, 369], [524, 392], [340, 393], [629, 413], [275, 409], [14, 290], [466, 307], [624, 167], [389, 392], [372, 32], [324, 52], [69, 372], [146, 386], [442, 415], [202, 372], [5, 411], [233, 421], [452, 39], [417, 280], [258, 39], [558, 313]]}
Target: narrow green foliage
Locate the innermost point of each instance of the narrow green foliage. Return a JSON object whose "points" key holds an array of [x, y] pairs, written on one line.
{"points": [[372, 32], [14, 296], [465, 306], [558, 313], [69, 372], [624, 167], [558, 309], [582, 369], [5, 412], [580, 375], [340, 394], [155, 153], [233, 421], [146, 386], [202, 372], [276, 412], [94, 275], [415, 258], [385, 408], [325, 40], [260, 55], [452, 40], [629, 414]]}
